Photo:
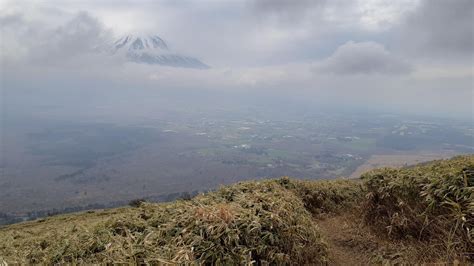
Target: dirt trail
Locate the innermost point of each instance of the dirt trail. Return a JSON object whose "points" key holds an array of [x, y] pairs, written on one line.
{"points": [[347, 242]]}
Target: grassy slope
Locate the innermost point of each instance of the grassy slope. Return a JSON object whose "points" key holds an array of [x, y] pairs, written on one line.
{"points": [[266, 221], [432, 202]]}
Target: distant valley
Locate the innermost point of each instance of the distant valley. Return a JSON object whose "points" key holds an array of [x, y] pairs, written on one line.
{"points": [[83, 165]]}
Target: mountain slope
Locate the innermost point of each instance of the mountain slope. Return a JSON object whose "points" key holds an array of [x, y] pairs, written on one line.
{"points": [[273, 221], [151, 49]]}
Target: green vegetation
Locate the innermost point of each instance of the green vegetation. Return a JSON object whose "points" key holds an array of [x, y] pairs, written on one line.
{"points": [[429, 202], [266, 222], [252, 221], [363, 144], [322, 197]]}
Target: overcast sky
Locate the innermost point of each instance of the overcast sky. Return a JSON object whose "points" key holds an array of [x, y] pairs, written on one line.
{"points": [[408, 55]]}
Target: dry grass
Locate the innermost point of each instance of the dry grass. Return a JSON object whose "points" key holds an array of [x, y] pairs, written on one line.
{"points": [[251, 222], [324, 197], [409, 215], [430, 203]]}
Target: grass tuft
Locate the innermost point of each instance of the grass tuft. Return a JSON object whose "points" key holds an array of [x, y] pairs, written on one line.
{"points": [[430, 202], [251, 222]]}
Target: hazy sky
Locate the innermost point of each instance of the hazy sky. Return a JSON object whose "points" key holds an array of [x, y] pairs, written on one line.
{"points": [[410, 56]]}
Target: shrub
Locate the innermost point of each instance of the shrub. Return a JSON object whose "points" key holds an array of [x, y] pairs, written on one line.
{"points": [[328, 196], [251, 222], [185, 196], [431, 202], [136, 202]]}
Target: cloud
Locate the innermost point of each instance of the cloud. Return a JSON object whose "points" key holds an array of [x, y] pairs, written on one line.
{"points": [[363, 58], [439, 29], [11, 19], [298, 49], [35, 42], [81, 35], [286, 10]]}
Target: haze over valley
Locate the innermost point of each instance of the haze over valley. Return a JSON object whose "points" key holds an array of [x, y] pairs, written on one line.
{"points": [[109, 160]]}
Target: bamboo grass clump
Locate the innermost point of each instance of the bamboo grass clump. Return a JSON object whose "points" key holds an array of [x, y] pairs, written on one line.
{"points": [[261, 222], [251, 222], [430, 202]]}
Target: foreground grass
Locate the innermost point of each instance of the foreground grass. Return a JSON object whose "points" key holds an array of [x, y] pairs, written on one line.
{"points": [[265, 222], [431, 202]]}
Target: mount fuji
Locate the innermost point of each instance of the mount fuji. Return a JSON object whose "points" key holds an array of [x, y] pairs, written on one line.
{"points": [[153, 50]]}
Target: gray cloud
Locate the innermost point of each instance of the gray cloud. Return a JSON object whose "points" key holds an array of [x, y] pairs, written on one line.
{"points": [[43, 44], [363, 58], [439, 29], [286, 10], [277, 56], [8, 20], [81, 35]]}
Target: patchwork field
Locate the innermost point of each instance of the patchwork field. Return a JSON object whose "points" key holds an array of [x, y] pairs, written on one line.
{"points": [[399, 160]]}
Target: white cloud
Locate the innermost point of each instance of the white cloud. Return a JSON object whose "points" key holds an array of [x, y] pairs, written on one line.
{"points": [[363, 58]]}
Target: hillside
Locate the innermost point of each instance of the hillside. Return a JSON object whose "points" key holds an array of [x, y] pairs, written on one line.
{"points": [[418, 214]]}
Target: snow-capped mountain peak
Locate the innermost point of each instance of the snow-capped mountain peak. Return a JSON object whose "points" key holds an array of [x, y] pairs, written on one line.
{"points": [[141, 42], [151, 49]]}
